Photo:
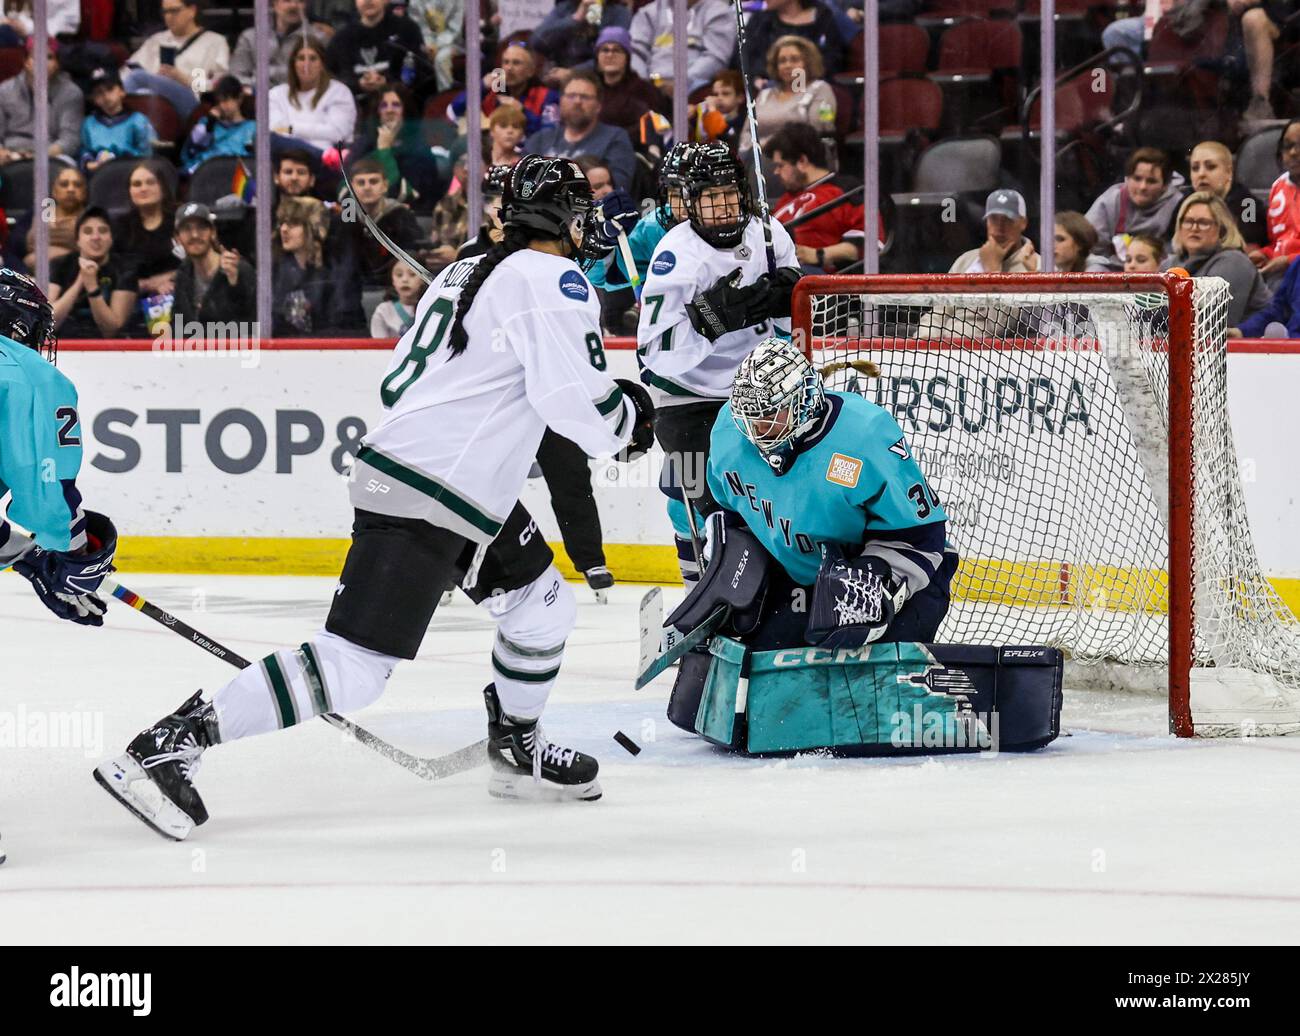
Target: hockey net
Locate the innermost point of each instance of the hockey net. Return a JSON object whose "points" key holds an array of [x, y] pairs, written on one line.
{"points": [[1076, 429]]}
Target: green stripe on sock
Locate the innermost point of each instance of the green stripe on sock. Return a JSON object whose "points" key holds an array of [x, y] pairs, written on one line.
{"points": [[527, 652], [280, 691], [315, 680], [520, 675]]}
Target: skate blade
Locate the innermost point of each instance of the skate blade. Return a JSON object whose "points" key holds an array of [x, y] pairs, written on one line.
{"points": [[602, 596], [126, 781], [523, 788]]}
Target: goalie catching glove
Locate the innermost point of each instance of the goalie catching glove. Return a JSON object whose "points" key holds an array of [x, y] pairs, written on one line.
{"points": [[854, 600], [643, 431], [66, 583]]}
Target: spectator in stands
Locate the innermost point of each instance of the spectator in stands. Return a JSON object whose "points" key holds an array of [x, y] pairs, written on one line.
{"points": [[834, 239], [796, 92], [1006, 249], [223, 131], [307, 297], [182, 61], [1146, 254], [17, 112], [394, 316], [516, 84], [328, 16], [569, 36], [213, 285], [143, 235], [1073, 238], [312, 107], [110, 131], [1207, 243], [506, 135], [1211, 170], [62, 18], [1260, 27], [710, 41], [580, 131], [1281, 317], [442, 25], [490, 231], [371, 260], [598, 175], [721, 116], [287, 28], [69, 194], [1283, 207], [295, 175], [450, 222], [625, 96], [1144, 201], [779, 20], [92, 291], [391, 134], [376, 47]]}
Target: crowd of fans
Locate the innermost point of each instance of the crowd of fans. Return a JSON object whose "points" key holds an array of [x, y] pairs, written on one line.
{"points": [[152, 135]]}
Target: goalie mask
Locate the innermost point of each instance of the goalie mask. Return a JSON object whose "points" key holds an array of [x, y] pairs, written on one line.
{"points": [[716, 192], [26, 315], [672, 181], [776, 398], [552, 197]]}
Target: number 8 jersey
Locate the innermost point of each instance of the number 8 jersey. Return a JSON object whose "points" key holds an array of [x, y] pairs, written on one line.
{"points": [[460, 433]]}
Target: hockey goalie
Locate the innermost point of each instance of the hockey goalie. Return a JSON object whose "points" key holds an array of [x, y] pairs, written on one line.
{"points": [[827, 573]]}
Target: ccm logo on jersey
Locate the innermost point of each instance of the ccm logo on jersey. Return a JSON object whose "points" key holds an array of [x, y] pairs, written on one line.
{"points": [[663, 263], [574, 285], [844, 471]]}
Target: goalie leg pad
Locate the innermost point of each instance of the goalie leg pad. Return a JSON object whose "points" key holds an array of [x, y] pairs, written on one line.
{"points": [[688, 689]]}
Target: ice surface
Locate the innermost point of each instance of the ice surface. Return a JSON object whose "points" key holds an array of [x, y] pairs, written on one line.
{"points": [[1117, 833]]}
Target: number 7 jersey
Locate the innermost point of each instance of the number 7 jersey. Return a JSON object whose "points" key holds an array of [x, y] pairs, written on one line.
{"points": [[460, 433]]}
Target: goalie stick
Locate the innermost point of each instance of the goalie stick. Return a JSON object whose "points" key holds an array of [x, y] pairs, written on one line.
{"points": [[682, 646], [430, 769]]}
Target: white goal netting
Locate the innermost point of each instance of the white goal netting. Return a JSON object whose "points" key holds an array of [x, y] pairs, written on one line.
{"points": [[1041, 419]]}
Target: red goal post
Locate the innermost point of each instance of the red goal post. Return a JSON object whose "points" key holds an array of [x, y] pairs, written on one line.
{"points": [[838, 316]]}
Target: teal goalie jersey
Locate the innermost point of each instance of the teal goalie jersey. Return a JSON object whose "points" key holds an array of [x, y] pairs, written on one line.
{"points": [[854, 482], [40, 454]]}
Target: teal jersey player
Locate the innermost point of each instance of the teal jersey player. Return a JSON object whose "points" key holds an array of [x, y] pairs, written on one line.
{"points": [[70, 550], [611, 273], [854, 480]]}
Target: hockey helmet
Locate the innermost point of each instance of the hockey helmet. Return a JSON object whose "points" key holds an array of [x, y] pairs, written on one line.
{"points": [[26, 315], [777, 397], [672, 178], [716, 191], [548, 195]]}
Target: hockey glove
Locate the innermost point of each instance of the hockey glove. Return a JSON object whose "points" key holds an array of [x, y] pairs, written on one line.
{"points": [[617, 213], [643, 430], [66, 583], [727, 307], [780, 287], [854, 600]]}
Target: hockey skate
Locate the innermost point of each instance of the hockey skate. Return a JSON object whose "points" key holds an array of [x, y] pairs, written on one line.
{"points": [[600, 580], [154, 778], [527, 766]]}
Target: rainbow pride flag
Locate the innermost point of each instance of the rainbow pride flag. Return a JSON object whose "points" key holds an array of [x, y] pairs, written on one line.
{"points": [[242, 185]]}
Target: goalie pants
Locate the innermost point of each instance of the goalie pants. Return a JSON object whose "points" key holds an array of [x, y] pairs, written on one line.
{"points": [[395, 574], [683, 432]]}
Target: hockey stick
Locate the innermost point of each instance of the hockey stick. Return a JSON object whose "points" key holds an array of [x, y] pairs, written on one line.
{"points": [[392, 246], [682, 646], [764, 213], [431, 769], [625, 250]]}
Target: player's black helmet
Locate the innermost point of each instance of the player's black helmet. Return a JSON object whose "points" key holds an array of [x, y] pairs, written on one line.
{"points": [[672, 177], [546, 195], [25, 314], [718, 217]]}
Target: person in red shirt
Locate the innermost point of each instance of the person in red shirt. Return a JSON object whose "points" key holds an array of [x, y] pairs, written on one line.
{"points": [[1283, 218], [832, 240]]}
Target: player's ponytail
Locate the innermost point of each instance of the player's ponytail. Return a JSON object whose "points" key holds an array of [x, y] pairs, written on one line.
{"points": [[515, 239]]}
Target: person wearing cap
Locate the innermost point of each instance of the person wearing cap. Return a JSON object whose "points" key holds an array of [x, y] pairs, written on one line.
{"points": [[110, 131], [442, 24], [567, 36], [223, 131], [627, 97], [17, 110], [1006, 249], [213, 285]]}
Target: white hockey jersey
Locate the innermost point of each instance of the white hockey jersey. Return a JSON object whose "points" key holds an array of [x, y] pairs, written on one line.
{"points": [[683, 365], [459, 434]]}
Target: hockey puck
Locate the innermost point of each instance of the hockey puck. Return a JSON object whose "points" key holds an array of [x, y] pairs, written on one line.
{"points": [[632, 747]]}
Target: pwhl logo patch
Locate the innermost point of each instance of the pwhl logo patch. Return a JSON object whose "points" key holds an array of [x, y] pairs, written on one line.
{"points": [[664, 262], [844, 471], [574, 285]]}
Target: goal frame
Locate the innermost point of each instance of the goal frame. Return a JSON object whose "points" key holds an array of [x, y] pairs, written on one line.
{"points": [[1178, 288]]}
